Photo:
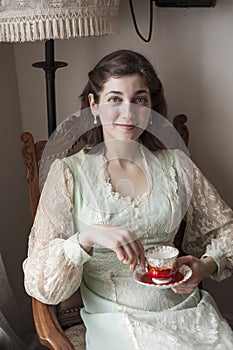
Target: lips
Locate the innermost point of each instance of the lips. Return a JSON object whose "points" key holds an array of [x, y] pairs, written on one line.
{"points": [[126, 127]]}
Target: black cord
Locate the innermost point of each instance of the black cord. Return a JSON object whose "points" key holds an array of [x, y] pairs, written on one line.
{"points": [[135, 22]]}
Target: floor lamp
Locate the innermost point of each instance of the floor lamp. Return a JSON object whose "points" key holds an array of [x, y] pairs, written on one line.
{"points": [[31, 20]]}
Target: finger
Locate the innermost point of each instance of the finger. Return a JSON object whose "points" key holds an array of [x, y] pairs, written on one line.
{"points": [[138, 249], [133, 265], [139, 255], [185, 288], [182, 291], [120, 253], [184, 260], [142, 258], [130, 253], [124, 253]]}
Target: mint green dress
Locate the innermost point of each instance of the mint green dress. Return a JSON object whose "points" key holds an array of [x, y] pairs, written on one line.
{"points": [[118, 312]]}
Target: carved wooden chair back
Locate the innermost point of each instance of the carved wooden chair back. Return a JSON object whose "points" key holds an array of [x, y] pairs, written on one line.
{"points": [[51, 321]]}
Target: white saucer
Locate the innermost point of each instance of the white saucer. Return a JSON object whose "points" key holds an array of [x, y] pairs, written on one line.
{"points": [[184, 269]]}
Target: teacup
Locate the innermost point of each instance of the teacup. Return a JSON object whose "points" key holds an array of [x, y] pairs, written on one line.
{"points": [[161, 262]]}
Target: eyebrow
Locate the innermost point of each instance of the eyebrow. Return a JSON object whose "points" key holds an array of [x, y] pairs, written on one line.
{"points": [[114, 92], [121, 93], [141, 92]]}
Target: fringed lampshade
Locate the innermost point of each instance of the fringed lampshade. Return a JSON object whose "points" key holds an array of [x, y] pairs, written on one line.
{"points": [[30, 20]]}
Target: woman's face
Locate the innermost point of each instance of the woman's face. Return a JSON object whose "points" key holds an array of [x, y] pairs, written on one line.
{"points": [[124, 107]]}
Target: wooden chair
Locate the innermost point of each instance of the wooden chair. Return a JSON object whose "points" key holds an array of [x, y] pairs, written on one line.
{"points": [[50, 320]]}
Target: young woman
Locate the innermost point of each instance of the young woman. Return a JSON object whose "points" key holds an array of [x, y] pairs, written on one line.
{"points": [[101, 208]]}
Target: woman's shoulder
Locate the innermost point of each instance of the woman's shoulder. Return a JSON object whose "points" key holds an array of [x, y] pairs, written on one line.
{"points": [[82, 161], [74, 158], [173, 155], [174, 160]]}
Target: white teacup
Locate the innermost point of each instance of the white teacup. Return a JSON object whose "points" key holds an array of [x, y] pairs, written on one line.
{"points": [[161, 261]]}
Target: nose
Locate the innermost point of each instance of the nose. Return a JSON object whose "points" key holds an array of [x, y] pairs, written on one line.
{"points": [[128, 112]]}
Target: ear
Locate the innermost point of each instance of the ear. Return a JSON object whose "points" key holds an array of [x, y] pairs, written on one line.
{"points": [[93, 104]]}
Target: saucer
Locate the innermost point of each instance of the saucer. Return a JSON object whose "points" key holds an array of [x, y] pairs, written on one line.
{"points": [[183, 274]]}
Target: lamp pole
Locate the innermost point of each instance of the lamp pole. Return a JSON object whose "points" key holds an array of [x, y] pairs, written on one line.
{"points": [[50, 66]]}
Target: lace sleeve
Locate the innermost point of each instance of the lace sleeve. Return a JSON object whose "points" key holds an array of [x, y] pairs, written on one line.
{"points": [[53, 268], [209, 229]]}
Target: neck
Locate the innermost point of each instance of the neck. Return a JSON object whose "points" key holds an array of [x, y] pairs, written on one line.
{"points": [[122, 149]]}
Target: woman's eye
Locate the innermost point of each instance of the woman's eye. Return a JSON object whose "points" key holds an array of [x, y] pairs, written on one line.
{"points": [[114, 99], [141, 100]]}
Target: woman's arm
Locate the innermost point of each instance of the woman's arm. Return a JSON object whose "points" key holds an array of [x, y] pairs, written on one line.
{"points": [[209, 229], [53, 268], [208, 236]]}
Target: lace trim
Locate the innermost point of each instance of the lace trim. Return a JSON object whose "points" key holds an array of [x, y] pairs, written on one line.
{"points": [[56, 20], [116, 195]]}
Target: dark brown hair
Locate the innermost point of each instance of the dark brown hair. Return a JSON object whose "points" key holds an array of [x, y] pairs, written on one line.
{"points": [[117, 64]]}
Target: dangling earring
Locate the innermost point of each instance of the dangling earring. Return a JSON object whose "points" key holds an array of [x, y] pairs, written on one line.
{"points": [[95, 119], [151, 120]]}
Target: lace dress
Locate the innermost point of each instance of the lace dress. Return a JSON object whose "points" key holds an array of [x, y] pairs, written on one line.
{"points": [[118, 312]]}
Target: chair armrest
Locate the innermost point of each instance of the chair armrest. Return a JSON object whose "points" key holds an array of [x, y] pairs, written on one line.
{"points": [[48, 329]]}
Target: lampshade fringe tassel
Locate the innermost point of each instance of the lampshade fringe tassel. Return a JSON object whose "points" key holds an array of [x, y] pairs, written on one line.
{"points": [[57, 28]]}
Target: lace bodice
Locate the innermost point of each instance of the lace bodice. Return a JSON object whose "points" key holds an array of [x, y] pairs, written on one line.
{"points": [[77, 194]]}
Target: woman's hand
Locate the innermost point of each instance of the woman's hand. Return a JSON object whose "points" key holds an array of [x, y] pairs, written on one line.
{"points": [[201, 268], [123, 242]]}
